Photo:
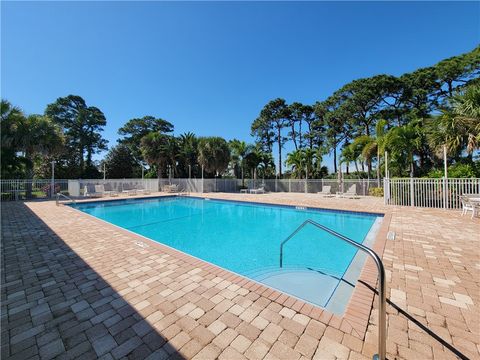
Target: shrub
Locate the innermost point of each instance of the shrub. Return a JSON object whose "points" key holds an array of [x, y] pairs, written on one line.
{"points": [[457, 170], [376, 191]]}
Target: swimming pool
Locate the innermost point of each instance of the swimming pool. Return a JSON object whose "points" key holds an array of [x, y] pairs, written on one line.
{"points": [[245, 238]]}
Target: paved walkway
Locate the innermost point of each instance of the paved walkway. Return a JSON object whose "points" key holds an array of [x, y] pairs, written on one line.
{"points": [[75, 287]]}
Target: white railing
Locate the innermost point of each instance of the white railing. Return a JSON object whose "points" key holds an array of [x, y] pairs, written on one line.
{"points": [[430, 193], [40, 189], [271, 185], [77, 187], [26, 189]]}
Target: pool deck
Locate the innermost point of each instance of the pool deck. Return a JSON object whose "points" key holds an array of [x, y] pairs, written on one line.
{"points": [[76, 287]]}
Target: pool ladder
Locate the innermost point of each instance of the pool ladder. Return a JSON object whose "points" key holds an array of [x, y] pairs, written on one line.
{"points": [[64, 196], [382, 308]]}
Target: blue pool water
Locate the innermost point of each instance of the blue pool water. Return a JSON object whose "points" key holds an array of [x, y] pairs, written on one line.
{"points": [[245, 237]]}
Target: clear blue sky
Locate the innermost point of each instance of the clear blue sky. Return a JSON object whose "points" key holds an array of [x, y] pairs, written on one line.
{"points": [[210, 67]]}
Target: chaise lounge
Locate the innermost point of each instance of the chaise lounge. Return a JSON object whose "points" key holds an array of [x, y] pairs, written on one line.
{"points": [[326, 191], [351, 193]]}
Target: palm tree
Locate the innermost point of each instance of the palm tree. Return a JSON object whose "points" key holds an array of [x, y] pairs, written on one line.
{"points": [[172, 152], [296, 160], [403, 143], [188, 144], [467, 111], [313, 161], [11, 117], [239, 152], [370, 146], [267, 163], [348, 156], [153, 147], [213, 154], [457, 128], [38, 136]]}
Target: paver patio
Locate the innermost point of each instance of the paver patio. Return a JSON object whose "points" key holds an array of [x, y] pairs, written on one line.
{"points": [[76, 287]]}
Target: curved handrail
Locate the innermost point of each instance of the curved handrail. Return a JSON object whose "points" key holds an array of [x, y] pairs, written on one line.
{"points": [[382, 316], [65, 196]]}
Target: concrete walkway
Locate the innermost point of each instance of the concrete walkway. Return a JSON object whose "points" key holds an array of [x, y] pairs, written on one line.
{"points": [[76, 287]]}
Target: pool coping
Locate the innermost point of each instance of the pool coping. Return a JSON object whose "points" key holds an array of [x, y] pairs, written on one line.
{"points": [[296, 207], [356, 316]]}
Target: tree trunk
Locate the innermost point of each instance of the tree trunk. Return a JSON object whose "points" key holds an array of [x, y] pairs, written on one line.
{"points": [[279, 153], [29, 173], [378, 167], [335, 158], [89, 157], [300, 134], [82, 161], [294, 136], [347, 166]]}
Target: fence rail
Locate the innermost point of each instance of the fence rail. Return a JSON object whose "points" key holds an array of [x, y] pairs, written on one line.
{"points": [[20, 189], [271, 185], [429, 193]]}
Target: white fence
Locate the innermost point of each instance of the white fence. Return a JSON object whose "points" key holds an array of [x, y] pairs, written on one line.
{"points": [[271, 185], [20, 189], [41, 189], [77, 187], [431, 193]]}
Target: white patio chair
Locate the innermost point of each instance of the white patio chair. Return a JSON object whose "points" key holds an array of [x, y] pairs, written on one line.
{"points": [[141, 189], [107, 189], [260, 190], [129, 189], [90, 190], [326, 191], [351, 193], [468, 205]]}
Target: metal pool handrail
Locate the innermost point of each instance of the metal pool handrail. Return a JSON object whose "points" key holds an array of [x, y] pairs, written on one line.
{"points": [[65, 196], [382, 316]]}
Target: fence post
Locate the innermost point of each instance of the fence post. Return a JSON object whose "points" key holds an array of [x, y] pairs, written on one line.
{"points": [[412, 193], [385, 201], [276, 184], [445, 205], [289, 185]]}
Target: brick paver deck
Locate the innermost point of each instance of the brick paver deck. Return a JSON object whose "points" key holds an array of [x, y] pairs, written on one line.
{"points": [[76, 287]]}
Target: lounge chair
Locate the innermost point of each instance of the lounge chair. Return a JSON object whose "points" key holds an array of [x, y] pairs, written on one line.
{"points": [[141, 189], [469, 205], [170, 188], [326, 191], [129, 189], [351, 193], [260, 190], [109, 190], [91, 191], [106, 190]]}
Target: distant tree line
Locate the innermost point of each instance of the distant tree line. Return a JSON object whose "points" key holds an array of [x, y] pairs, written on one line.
{"points": [[412, 117]]}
